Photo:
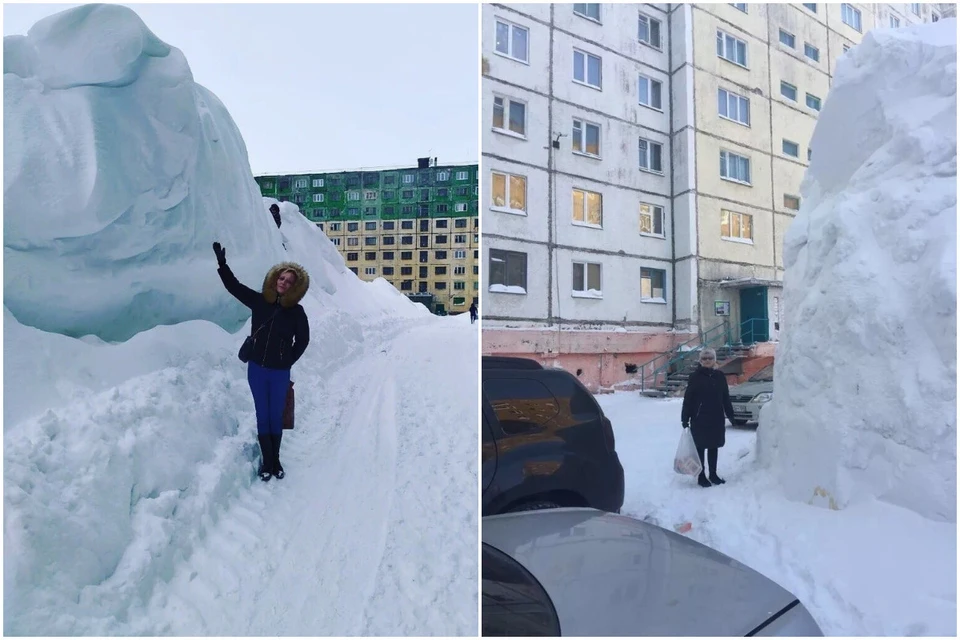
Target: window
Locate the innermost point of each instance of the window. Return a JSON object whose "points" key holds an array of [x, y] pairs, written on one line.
{"points": [[408, 178], [791, 149], [370, 271], [388, 271], [388, 255], [509, 193], [813, 102], [788, 91], [742, 6], [509, 116], [508, 271], [586, 68], [407, 194], [736, 226], [791, 202], [370, 226], [353, 256], [334, 226], [734, 167], [370, 211], [648, 31], [809, 154], [915, 7], [442, 208], [300, 183], [441, 239], [388, 194], [268, 186], [354, 271], [335, 241], [589, 10], [370, 241], [389, 240], [353, 196], [460, 254], [512, 41], [459, 286], [651, 220], [463, 175], [353, 226], [461, 207], [440, 286], [441, 224], [461, 223], [894, 22], [850, 16], [587, 208], [406, 240], [443, 176], [369, 195], [439, 271], [463, 191], [788, 39], [651, 93], [460, 238], [812, 6], [731, 49], [318, 197], [459, 271], [389, 178], [406, 224], [653, 285], [317, 183], [586, 138], [440, 255], [811, 52], [586, 280], [733, 107], [651, 156], [389, 225]]}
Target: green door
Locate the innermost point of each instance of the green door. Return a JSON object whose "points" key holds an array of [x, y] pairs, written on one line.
{"points": [[754, 321]]}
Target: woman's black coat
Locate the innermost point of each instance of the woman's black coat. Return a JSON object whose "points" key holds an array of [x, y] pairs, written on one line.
{"points": [[705, 403]]}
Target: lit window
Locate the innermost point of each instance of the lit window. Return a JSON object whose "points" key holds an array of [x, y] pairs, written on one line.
{"points": [[586, 138], [509, 116], [509, 193], [736, 226], [587, 208], [651, 156], [651, 220]]}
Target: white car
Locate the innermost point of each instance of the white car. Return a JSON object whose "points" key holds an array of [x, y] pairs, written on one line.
{"points": [[747, 398]]}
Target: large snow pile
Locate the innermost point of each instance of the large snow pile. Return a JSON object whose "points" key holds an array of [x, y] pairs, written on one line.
{"points": [[129, 452], [88, 248], [865, 403]]}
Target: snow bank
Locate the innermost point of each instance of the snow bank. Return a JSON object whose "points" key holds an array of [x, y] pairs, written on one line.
{"points": [[865, 404], [119, 173]]}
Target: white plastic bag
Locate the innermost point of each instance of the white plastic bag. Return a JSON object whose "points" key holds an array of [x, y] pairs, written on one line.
{"points": [[687, 460]]}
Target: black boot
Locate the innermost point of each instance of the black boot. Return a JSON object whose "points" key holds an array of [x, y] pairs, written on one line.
{"points": [[277, 468], [702, 480], [714, 478], [266, 457]]}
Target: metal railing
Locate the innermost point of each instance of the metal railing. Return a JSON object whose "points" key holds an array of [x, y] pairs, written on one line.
{"points": [[651, 370], [754, 330]]}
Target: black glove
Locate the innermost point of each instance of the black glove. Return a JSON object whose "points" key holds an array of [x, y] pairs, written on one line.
{"points": [[686, 424], [221, 254]]}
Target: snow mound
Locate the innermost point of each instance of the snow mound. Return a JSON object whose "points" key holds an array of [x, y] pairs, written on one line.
{"points": [[865, 404], [119, 173]]}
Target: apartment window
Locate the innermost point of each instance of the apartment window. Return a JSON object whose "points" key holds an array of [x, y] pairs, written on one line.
{"points": [[586, 68], [443, 176], [463, 175], [586, 138], [586, 280], [389, 240], [589, 10], [460, 238], [388, 194], [317, 183], [587, 208], [370, 241], [441, 239], [389, 178], [915, 7], [651, 220], [459, 270], [813, 102], [406, 285], [335, 226], [441, 224], [461, 223], [389, 225], [894, 22], [509, 193], [370, 271], [439, 271], [318, 197], [791, 149], [741, 6], [463, 191], [788, 39], [388, 255], [439, 255], [733, 107], [442, 208], [409, 178], [736, 226], [459, 286], [353, 256], [509, 116], [651, 93], [353, 196], [369, 195], [388, 271], [460, 254], [370, 211], [406, 224], [653, 285], [651, 156], [512, 41], [440, 286], [811, 52], [809, 154], [300, 183], [731, 49], [508, 271], [353, 226], [812, 6], [851, 16], [354, 271], [648, 31], [788, 91], [407, 194], [734, 167], [268, 186], [791, 202], [406, 240], [461, 207], [370, 226]]}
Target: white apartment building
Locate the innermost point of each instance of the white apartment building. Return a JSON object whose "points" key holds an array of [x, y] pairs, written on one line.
{"points": [[641, 164]]}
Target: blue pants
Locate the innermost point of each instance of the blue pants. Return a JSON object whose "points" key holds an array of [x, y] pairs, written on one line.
{"points": [[269, 388]]}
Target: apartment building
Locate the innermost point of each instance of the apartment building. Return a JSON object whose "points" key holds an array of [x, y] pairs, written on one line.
{"points": [[416, 227], [642, 163]]}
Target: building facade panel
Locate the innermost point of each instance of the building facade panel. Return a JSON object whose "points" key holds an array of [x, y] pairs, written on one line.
{"points": [[725, 238], [530, 300], [731, 111], [528, 146], [515, 46], [747, 182], [507, 186]]}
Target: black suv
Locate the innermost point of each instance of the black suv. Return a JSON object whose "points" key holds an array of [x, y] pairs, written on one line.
{"points": [[546, 442]]}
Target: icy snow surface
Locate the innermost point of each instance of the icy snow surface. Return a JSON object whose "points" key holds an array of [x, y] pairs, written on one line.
{"points": [[131, 504], [865, 403], [873, 569]]}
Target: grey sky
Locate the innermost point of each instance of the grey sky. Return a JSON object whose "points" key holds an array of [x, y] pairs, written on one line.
{"points": [[322, 87]]}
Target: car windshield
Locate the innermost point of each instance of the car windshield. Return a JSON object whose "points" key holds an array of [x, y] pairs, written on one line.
{"points": [[764, 375]]}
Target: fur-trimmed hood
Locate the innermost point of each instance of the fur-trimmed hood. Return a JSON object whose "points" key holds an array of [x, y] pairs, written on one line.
{"points": [[296, 292]]}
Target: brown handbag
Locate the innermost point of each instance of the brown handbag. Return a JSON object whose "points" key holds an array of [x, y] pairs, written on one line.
{"points": [[288, 408]]}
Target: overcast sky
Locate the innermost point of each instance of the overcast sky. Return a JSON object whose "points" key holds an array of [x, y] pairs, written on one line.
{"points": [[322, 87]]}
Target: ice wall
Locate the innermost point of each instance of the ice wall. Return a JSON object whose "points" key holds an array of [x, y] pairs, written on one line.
{"points": [[119, 173], [865, 398]]}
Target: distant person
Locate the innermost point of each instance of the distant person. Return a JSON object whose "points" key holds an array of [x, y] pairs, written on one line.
{"points": [[473, 312], [275, 210], [705, 403], [281, 334]]}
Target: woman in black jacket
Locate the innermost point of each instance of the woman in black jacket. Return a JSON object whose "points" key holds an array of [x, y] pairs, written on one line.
{"points": [[705, 403], [280, 336]]}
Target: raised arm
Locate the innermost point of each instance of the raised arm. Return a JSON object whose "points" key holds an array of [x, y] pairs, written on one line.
{"points": [[243, 293]]}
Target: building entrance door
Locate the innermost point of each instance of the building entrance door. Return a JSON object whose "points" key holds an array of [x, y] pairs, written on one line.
{"points": [[754, 321]]}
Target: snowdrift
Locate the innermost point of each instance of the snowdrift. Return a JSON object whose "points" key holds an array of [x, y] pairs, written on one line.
{"points": [[865, 403]]}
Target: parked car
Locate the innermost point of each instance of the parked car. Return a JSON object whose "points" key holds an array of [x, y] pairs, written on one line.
{"points": [[546, 441], [747, 398], [581, 572]]}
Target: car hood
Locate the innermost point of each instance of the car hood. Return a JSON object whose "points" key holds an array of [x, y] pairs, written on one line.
{"points": [[751, 388], [610, 575]]}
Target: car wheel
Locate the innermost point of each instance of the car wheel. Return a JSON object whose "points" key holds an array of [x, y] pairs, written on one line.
{"points": [[536, 505], [740, 423]]}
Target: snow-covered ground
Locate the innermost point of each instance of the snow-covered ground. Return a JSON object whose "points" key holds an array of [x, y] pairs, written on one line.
{"points": [[131, 504], [872, 569]]}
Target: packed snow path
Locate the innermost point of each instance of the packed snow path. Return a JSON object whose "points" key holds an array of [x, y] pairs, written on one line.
{"points": [[373, 530]]}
